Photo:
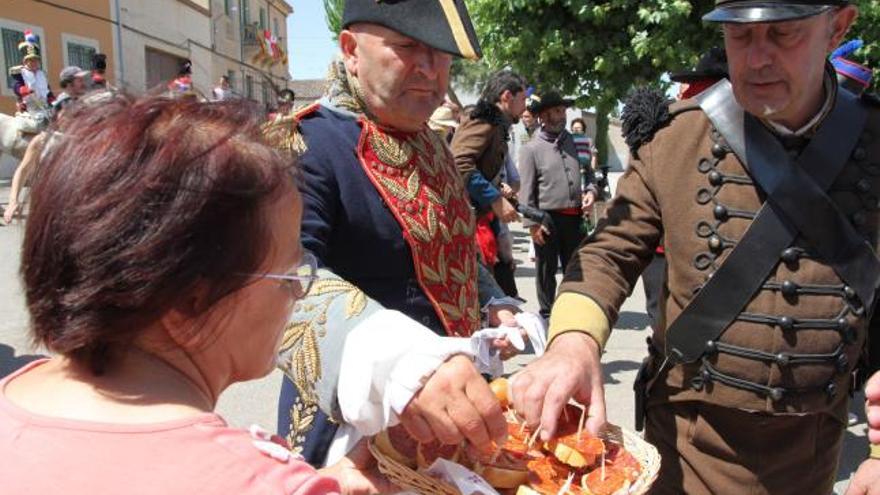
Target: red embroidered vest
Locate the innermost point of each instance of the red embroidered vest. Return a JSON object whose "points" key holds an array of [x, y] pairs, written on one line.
{"points": [[415, 175]]}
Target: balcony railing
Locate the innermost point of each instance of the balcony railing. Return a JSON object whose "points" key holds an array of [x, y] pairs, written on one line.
{"points": [[251, 35]]}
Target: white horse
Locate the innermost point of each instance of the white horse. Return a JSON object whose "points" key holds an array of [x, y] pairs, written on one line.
{"points": [[12, 138]]}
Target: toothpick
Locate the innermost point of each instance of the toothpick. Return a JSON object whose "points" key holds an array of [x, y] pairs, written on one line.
{"points": [[522, 427], [603, 464], [565, 488], [581, 424], [511, 416], [534, 437]]}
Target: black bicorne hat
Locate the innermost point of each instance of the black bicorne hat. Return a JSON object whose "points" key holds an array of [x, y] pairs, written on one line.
{"points": [[749, 11], [540, 102], [441, 24], [712, 65]]}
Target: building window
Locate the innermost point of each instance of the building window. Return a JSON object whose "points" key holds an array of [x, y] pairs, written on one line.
{"points": [[277, 33], [263, 23], [226, 7], [78, 51], [80, 55], [246, 12], [249, 87], [265, 90], [11, 39], [230, 76]]}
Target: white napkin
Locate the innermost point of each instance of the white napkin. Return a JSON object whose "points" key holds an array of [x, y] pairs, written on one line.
{"points": [[487, 358]]}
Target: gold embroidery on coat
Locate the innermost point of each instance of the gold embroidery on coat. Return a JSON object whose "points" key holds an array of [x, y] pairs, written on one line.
{"points": [[304, 366]]}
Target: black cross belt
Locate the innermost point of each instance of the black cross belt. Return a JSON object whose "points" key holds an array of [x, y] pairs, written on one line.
{"points": [[795, 191]]}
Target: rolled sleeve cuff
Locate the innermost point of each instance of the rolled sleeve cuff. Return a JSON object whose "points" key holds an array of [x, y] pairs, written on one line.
{"points": [[575, 312]]}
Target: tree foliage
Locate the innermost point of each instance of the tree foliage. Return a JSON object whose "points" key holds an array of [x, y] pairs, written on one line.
{"points": [[599, 50], [867, 27], [596, 51], [333, 11]]}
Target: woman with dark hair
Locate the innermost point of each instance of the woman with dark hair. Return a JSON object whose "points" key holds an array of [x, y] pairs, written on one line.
{"points": [[160, 263]]}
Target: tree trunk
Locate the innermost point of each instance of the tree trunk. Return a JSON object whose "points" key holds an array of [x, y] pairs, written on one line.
{"points": [[603, 112]]}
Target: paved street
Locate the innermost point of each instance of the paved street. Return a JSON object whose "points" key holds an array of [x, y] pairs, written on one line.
{"points": [[255, 402]]}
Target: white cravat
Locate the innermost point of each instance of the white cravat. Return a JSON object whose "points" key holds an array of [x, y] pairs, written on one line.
{"points": [[36, 82]]}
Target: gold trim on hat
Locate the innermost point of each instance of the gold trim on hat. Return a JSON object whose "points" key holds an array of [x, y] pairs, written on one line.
{"points": [[458, 31]]}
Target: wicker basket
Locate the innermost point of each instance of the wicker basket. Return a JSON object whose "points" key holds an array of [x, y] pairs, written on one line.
{"points": [[410, 479]]}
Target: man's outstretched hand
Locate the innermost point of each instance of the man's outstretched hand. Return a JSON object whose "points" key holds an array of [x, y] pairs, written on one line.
{"points": [[570, 369], [455, 404]]}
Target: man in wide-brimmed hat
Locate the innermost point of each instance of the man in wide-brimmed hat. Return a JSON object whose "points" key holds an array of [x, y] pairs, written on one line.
{"points": [[553, 179], [764, 190], [387, 216]]}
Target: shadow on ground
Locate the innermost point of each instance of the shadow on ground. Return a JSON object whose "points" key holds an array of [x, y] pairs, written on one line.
{"points": [[631, 320], [9, 362], [612, 369]]}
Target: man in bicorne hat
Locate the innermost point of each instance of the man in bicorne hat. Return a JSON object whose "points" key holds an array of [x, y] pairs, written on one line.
{"points": [[764, 189], [387, 215], [31, 85]]}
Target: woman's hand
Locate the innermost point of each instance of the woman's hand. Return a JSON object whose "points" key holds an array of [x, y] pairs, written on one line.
{"points": [[358, 473]]}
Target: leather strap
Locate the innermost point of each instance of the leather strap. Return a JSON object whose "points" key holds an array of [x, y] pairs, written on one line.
{"points": [[797, 203]]}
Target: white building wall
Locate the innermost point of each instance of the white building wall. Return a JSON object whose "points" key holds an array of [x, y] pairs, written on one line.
{"points": [[169, 26]]}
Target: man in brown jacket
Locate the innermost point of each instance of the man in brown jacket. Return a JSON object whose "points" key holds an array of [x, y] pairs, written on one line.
{"points": [[480, 147], [765, 190]]}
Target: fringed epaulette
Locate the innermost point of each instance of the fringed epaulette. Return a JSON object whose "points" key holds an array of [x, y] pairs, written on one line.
{"points": [[645, 112], [283, 131]]}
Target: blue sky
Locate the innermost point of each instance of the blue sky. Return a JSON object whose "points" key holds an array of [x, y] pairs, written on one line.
{"points": [[309, 43]]}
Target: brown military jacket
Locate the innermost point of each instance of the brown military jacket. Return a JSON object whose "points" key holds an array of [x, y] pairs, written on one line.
{"points": [[687, 187], [480, 144]]}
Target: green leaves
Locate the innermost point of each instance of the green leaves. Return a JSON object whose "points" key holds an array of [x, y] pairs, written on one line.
{"points": [[333, 10]]}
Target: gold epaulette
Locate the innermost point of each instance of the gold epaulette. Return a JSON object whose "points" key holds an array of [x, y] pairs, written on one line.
{"points": [[283, 133]]}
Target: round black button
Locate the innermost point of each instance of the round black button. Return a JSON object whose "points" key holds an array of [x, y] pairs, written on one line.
{"points": [[705, 376], [859, 154], [786, 323], [718, 151], [849, 292], [715, 178], [790, 255], [831, 389], [721, 212], [864, 185], [715, 243], [711, 347], [782, 359], [697, 383], [859, 218], [789, 288], [777, 394]]}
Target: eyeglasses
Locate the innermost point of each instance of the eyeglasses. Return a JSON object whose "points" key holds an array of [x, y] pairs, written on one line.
{"points": [[299, 279]]}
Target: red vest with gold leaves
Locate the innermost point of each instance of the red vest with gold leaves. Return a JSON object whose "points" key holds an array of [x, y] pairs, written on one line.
{"points": [[416, 177]]}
